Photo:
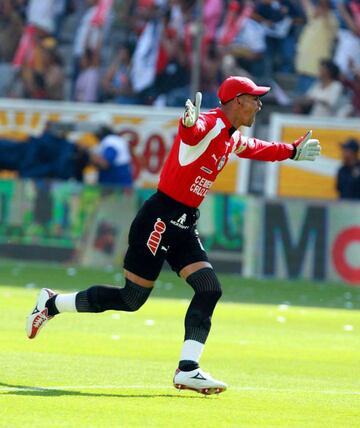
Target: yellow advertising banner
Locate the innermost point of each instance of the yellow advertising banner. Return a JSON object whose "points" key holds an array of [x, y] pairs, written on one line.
{"points": [[311, 179]]}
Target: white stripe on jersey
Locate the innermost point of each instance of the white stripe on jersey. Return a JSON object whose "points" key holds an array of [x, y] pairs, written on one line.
{"points": [[189, 154]]}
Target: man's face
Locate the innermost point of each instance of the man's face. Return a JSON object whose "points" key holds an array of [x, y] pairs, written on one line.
{"points": [[248, 106]]}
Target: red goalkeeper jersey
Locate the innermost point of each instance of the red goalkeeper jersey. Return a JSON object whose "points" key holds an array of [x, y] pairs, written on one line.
{"points": [[199, 154]]}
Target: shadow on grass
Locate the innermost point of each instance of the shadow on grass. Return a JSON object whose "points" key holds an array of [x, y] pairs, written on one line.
{"points": [[22, 390]]}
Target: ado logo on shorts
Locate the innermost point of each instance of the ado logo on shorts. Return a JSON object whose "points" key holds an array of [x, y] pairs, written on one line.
{"points": [[155, 236]]}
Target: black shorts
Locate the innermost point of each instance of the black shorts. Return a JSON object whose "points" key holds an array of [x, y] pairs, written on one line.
{"points": [[163, 229]]}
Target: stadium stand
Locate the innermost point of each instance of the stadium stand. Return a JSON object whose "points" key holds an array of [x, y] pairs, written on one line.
{"points": [[140, 51]]}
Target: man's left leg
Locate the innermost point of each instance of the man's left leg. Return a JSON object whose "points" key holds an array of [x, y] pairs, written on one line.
{"points": [[202, 278]]}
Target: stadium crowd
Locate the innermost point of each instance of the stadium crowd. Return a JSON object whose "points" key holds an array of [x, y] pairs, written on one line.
{"points": [[140, 51]]}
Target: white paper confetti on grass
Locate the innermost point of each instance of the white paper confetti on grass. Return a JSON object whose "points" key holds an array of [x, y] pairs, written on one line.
{"points": [[283, 307], [281, 319], [168, 285], [149, 322], [115, 316], [30, 285], [115, 337], [71, 271], [348, 327], [118, 277]]}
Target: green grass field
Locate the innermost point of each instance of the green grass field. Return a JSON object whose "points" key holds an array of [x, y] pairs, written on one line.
{"points": [[290, 352]]}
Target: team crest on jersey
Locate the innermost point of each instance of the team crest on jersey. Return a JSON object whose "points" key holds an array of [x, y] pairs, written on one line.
{"points": [[221, 163], [154, 240]]}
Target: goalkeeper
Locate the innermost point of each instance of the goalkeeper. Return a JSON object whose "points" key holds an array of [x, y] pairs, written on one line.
{"points": [[165, 226]]}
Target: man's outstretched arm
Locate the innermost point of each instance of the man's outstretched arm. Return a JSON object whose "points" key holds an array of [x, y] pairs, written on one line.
{"points": [[304, 148]]}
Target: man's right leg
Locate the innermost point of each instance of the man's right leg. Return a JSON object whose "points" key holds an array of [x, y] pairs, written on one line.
{"points": [[143, 262], [98, 298]]}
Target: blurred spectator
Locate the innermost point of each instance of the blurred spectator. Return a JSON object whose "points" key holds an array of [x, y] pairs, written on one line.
{"points": [[44, 79], [315, 42], [249, 46], [113, 158], [347, 51], [29, 61], [353, 85], [123, 19], [212, 13], [116, 84], [42, 14], [34, 85], [146, 55], [91, 32], [60, 11], [233, 21], [348, 176], [11, 27], [177, 16], [20, 6], [279, 19], [172, 68], [87, 82], [322, 99], [49, 156], [54, 76]]}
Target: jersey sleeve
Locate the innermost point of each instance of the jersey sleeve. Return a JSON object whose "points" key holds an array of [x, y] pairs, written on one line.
{"points": [[196, 133], [253, 148]]}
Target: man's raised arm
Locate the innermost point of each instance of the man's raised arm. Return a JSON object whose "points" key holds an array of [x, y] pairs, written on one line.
{"points": [[193, 128]]}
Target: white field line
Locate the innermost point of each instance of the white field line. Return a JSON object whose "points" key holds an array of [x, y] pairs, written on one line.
{"points": [[151, 387]]}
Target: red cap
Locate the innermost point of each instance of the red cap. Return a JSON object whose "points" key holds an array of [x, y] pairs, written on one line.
{"points": [[234, 86]]}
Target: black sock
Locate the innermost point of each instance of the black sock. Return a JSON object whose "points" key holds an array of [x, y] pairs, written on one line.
{"points": [[100, 298], [188, 366], [50, 304], [198, 316]]}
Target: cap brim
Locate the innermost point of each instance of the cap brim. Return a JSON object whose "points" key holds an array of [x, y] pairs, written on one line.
{"points": [[260, 90]]}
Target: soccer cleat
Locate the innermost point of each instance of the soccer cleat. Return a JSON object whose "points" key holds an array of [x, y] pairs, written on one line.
{"points": [[39, 316], [198, 381]]}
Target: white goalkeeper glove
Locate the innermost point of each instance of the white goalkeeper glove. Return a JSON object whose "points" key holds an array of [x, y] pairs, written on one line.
{"points": [[307, 148], [191, 113]]}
